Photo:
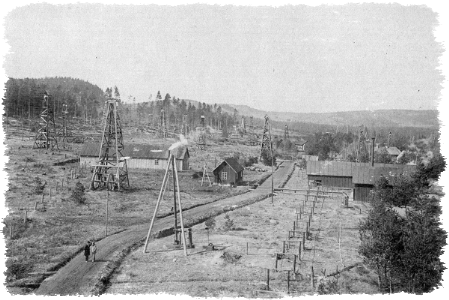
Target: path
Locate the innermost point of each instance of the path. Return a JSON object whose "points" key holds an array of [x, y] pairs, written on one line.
{"points": [[79, 277]]}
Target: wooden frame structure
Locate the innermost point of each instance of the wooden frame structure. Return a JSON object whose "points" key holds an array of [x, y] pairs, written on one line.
{"points": [[46, 134], [110, 153], [177, 202]]}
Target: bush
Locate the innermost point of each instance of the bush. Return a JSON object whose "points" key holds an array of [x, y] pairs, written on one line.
{"points": [[38, 185], [229, 224], [78, 194], [16, 270], [250, 161], [266, 158], [210, 223]]}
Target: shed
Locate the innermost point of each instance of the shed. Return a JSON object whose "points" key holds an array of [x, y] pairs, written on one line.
{"points": [[300, 145], [364, 178], [142, 156], [229, 171], [393, 152], [331, 173]]}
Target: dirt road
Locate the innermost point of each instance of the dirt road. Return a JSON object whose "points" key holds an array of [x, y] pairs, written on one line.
{"points": [[80, 277]]}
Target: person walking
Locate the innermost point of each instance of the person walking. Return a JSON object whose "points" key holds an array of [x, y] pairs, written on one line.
{"points": [[87, 251], [93, 250]]}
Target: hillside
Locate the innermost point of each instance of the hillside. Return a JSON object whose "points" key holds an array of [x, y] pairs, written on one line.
{"points": [[377, 118]]}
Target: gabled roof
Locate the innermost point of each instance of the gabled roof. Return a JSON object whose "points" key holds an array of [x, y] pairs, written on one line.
{"points": [[301, 142], [331, 168], [369, 175], [232, 162], [338, 168], [388, 150], [137, 151], [393, 151]]}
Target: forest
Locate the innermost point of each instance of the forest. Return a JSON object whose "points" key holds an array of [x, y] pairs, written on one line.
{"points": [[23, 97]]}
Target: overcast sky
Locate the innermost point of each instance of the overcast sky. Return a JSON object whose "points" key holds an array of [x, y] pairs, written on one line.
{"points": [[291, 58]]}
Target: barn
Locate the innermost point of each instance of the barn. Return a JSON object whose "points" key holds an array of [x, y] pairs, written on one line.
{"points": [[142, 156], [364, 178], [332, 173], [229, 171], [360, 177]]}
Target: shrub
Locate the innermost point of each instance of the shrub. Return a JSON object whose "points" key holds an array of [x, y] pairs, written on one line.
{"points": [[17, 270], [250, 161], [38, 185], [78, 194], [328, 286], [210, 223], [266, 158], [229, 224]]}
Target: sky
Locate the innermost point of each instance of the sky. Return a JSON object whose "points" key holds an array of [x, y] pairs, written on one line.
{"points": [[290, 58]]}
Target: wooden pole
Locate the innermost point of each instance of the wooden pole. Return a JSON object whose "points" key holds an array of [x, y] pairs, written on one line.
{"points": [[175, 209], [35, 205], [288, 282], [268, 279], [299, 250], [157, 206], [303, 241], [283, 246], [180, 208], [312, 275], [107, 213]]}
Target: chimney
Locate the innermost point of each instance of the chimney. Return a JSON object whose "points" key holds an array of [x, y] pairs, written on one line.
{"points": [[372, 152]]}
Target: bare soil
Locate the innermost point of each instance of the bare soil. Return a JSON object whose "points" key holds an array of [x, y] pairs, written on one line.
{"points": [[57, 227], [238, 268]]}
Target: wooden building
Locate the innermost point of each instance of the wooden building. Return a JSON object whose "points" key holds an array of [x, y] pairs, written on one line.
{"points": [[141, 156], [331, 173], [360, 177], [364, 178], [228, 172]]}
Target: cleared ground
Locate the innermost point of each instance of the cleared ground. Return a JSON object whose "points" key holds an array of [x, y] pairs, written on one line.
{"points": [[247, 249], [47, 239]]}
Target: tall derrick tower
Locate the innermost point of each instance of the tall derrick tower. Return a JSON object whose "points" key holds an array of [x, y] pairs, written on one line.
{"points": [[46, 134], [111, 170], [65, 133], [286, 137], [163, 125], [265, 144], [184, 125], [202, 134]]}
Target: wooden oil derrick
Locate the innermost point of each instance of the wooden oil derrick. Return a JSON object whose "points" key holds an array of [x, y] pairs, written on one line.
{"points": [[202, 134], [266, 139], [286, 137], [65, 133], [205, 176], [184, 125], [252, 135], [111, 170], [163, 125], [46, 134], [243, 126], [176, 205]]}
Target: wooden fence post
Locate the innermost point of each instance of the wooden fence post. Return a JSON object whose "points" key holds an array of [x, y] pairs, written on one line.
{"points": [[268, 279], [312, 282], [35, 205], [288, 282]]}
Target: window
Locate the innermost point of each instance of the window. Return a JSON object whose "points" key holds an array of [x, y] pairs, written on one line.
{"points": [[156, 162], [224, 176]]}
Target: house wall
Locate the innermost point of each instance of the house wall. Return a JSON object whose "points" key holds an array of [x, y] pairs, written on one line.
{"points": [[139, 163], [184, 164], [336, 181], [231, 175], [362, 192]]}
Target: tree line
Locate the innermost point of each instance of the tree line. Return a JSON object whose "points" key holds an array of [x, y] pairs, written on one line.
{"points": [[23, 98]]}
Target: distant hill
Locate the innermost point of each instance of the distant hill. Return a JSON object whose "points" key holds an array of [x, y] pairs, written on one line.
{"points": [[377, 118]]}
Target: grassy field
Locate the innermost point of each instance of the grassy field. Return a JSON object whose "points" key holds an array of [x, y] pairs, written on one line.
{"points": [[56, 226], [247, 240]]}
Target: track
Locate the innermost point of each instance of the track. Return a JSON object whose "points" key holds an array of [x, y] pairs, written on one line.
{"points": [[79, 277]]}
